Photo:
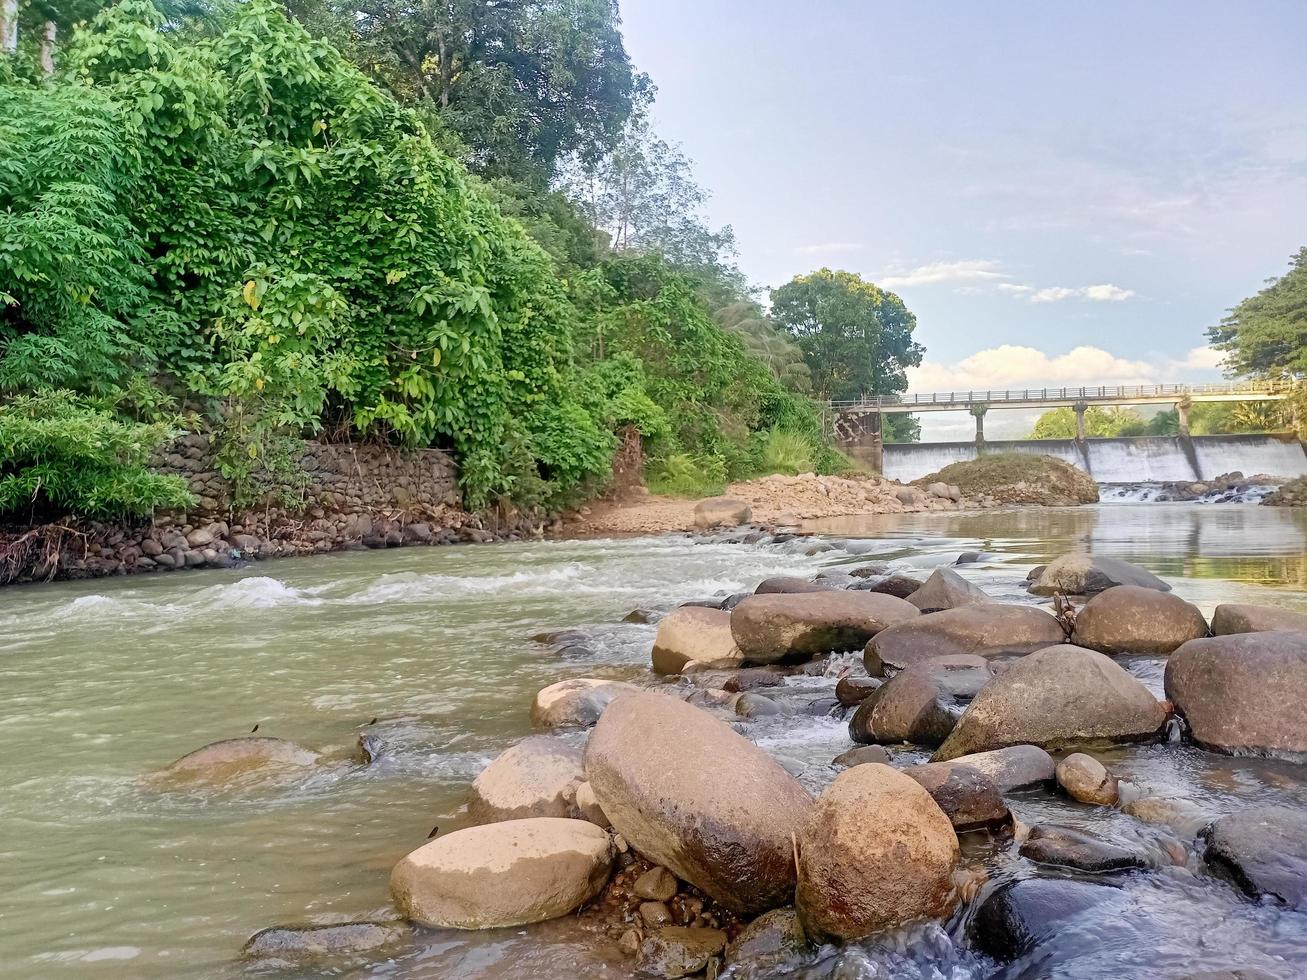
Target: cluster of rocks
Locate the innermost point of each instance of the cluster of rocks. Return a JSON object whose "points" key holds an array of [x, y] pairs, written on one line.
{"points": [[1291, 493], [1232, 486], [1019, 478]]}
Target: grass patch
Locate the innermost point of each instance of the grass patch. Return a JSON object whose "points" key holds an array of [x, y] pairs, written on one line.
{"points": [[683, 475]]}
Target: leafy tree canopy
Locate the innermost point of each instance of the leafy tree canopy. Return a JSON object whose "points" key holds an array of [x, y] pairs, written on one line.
{"points": [[1267, 333], [1060, 423]]}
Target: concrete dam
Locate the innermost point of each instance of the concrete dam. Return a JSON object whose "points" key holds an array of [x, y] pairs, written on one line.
{"points": [[1144, 459]]}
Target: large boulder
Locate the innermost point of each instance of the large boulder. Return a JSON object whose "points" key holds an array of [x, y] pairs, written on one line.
{"points": [[1084, 574], [1024, 914], [968, 797], [693, 634], [920, 704], [946, 589], [1240, 618], [1016, 767], [231, 758], [1058, 697], [537, 777], [1243, 693], [877, 853], [503, 874], [775, 628], [692, 795], [721, 512], [1133, 619], [1264, 851], [576, 703], [987, 630]]}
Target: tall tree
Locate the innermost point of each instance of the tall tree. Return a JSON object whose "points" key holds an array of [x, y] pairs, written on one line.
{"points": [[856, 337], [1267, 333]]}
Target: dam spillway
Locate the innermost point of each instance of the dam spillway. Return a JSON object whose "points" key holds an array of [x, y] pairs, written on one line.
{"points": [[1140, 459]]}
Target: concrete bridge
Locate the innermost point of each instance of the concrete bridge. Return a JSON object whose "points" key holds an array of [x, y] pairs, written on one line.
{"points": [[858, 422]]}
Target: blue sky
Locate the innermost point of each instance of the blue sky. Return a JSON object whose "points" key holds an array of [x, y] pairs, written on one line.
{"points": [[1060, 193]]}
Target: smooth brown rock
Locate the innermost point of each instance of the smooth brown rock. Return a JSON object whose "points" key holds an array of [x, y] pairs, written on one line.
{"points": [[968, 797], [1232, 618], [218, 762], [946, 589], [692, 634], [1067, 847], [655, 915], [503, 874], [721, 512], [656, 885], [898, 585], [588, 807], [775, 628], [1055, 698], [920, 704], [1132, 619], [691, 794], [773, 935], [790, 585], [1084, 574], [537, 777], [1243, 692], [1086, 779], [677, 951], [1016, 767], [850, 691], [985, 630], [576, 703], [877, 853], [860, 756]]}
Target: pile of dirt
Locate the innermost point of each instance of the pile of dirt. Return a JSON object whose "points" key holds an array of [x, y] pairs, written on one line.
{"points": [[1019, 478]]}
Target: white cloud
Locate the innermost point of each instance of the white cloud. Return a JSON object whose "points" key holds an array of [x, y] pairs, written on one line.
{"points": [[1011, 366], [825, 248], [1015, 288], [1107, 293], [1102, 293], [1200, 359], [964, 271]]}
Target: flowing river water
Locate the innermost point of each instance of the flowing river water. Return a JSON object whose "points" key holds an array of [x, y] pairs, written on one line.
{"points": [[102, 682]]}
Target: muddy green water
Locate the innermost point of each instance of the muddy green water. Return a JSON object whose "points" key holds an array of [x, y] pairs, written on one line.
{"points": [[102, 682]]}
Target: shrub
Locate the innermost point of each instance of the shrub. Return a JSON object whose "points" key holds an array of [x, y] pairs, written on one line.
{"points": [[787, 452], [683, 475]]}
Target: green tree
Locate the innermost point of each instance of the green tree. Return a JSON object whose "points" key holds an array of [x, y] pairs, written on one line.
{"points": [[856, 337], [1266, 334], [1060, 423]]}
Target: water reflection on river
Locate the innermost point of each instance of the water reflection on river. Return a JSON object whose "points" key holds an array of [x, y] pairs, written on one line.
{"points": [[100, 682]]}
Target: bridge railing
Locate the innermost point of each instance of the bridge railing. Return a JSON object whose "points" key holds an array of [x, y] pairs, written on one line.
{"points": [[1253, 389]]}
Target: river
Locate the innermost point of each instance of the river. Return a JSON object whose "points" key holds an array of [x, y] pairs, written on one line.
{"points": [[101, 682]]}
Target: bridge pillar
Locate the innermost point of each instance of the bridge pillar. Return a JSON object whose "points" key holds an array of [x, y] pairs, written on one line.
{"points": [[1182, 414], [859, 438], [978, 412], [1080, 410]]}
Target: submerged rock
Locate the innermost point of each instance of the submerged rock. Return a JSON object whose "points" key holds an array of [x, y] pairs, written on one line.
{"points": [[968, 797], [985, 630], [576, 703], [1058, 697], [1067, 847], [692, 795], [537, 777], [221, 761], [770, 937], [721, 512], [946, 589], [1243, 692], [314, 942], [1232, 618], [1084, 574], [1132, 619], [1023, 914], [1263, 850], [693, 635], [774, 628], [503, 874], [920, 704], [1086, 779], [679, 951], [568, 643], [877, 853]]}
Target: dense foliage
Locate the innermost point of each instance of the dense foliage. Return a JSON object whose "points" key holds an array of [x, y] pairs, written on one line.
{"points": [[1266, 334]]}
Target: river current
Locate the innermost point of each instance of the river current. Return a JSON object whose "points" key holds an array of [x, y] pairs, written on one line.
{"points": [[102, 682]]}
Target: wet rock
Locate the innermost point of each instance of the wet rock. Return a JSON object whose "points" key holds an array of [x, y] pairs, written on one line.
{"points": [[1131, 619], [1016, 767], [588, 808], [721, 512], [946, 589], [920, 704], [691, 794], [854, 690], [878, 852], [986, 630], [789, 585], [1023, 914], [968, 797], [973, 557], [1238, 973], [678, 951], [898, 585], [1240, 618], [774, 628], [503, 874], [771, 937], [1086, 779], [751, 678], [875, 569], [756, 706], [1066, 847], [1183, 816], [568, 643], [1242, 692], [691, 634], [1058, 697], [823, 707], [860, 756], [1084, 574], [537, 777], [576, 703], [1263, 850], [656, 885], [655, 915], [218, 762], [641, 616], [313, 942]]}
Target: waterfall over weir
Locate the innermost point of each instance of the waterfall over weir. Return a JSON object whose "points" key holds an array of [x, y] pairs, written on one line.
{"points": [[1141, 459]]}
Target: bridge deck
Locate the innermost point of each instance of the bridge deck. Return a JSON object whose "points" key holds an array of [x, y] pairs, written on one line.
{"points": [[955, 401]]}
